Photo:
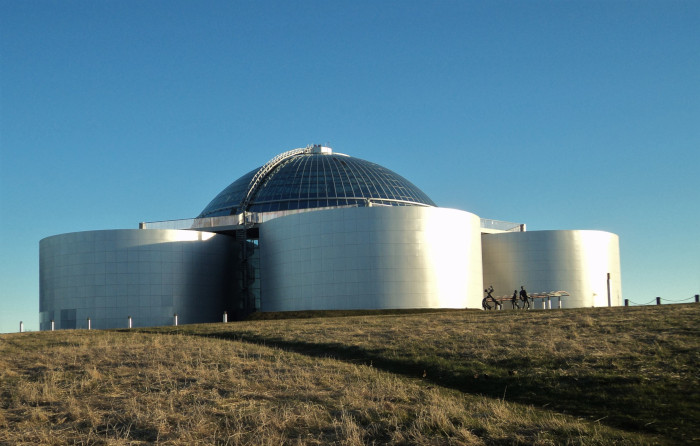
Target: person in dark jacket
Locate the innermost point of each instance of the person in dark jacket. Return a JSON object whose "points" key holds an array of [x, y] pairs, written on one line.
{"points": [[524, 297]]}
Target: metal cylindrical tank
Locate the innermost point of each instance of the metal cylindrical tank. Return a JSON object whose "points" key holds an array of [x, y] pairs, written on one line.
{"points": [[371, 258], [139, 275], [576, 261]]}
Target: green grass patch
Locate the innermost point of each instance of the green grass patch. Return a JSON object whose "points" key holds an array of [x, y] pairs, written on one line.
{"points": [[314, 314]]}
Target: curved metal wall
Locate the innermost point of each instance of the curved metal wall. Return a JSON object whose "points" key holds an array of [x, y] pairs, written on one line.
{"points": [[371, 258], [542, 261], [148, 274]]}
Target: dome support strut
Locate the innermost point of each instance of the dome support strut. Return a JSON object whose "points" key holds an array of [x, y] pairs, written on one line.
{"points": [[261, 174]]}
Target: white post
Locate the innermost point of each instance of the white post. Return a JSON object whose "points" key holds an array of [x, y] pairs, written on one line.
{"points": [[21, 327], [175, 319], [53, 325], [559, 302], [549, 303], [89, 324], [225, 317], [129, 321]]}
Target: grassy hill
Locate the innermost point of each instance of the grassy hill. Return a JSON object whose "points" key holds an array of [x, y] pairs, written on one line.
{"points": [[587, 376]]}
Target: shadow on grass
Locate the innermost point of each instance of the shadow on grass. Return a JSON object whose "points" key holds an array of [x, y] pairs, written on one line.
{"points": [[610, 399]]}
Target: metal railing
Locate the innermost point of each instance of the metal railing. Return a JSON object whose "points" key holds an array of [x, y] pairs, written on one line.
{"points": [[246, 218], [658, 299], [168, 224], [261, 217], [500, 225]]}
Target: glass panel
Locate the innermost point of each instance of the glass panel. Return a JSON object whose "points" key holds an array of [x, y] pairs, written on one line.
{"points": [[318, 177]]}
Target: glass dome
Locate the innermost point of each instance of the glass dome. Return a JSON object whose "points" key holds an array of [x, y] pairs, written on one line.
{"points": [[311, 178]]}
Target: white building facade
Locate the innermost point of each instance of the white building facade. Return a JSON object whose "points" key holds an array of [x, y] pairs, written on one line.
{"points": [[313, 230]]}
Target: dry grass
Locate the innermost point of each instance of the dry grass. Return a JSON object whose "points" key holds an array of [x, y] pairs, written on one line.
{"points": [[632, 368], [359, 380]]}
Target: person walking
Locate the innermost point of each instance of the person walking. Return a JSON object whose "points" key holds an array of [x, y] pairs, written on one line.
{"points": [[514, 300], [524, 297]]}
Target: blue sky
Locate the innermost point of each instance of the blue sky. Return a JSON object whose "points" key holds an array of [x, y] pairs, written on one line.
{"points": [[558, 114]]}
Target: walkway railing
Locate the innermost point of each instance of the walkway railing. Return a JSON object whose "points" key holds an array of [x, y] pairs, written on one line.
{"points": [[500, 225], [658, 300]]}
